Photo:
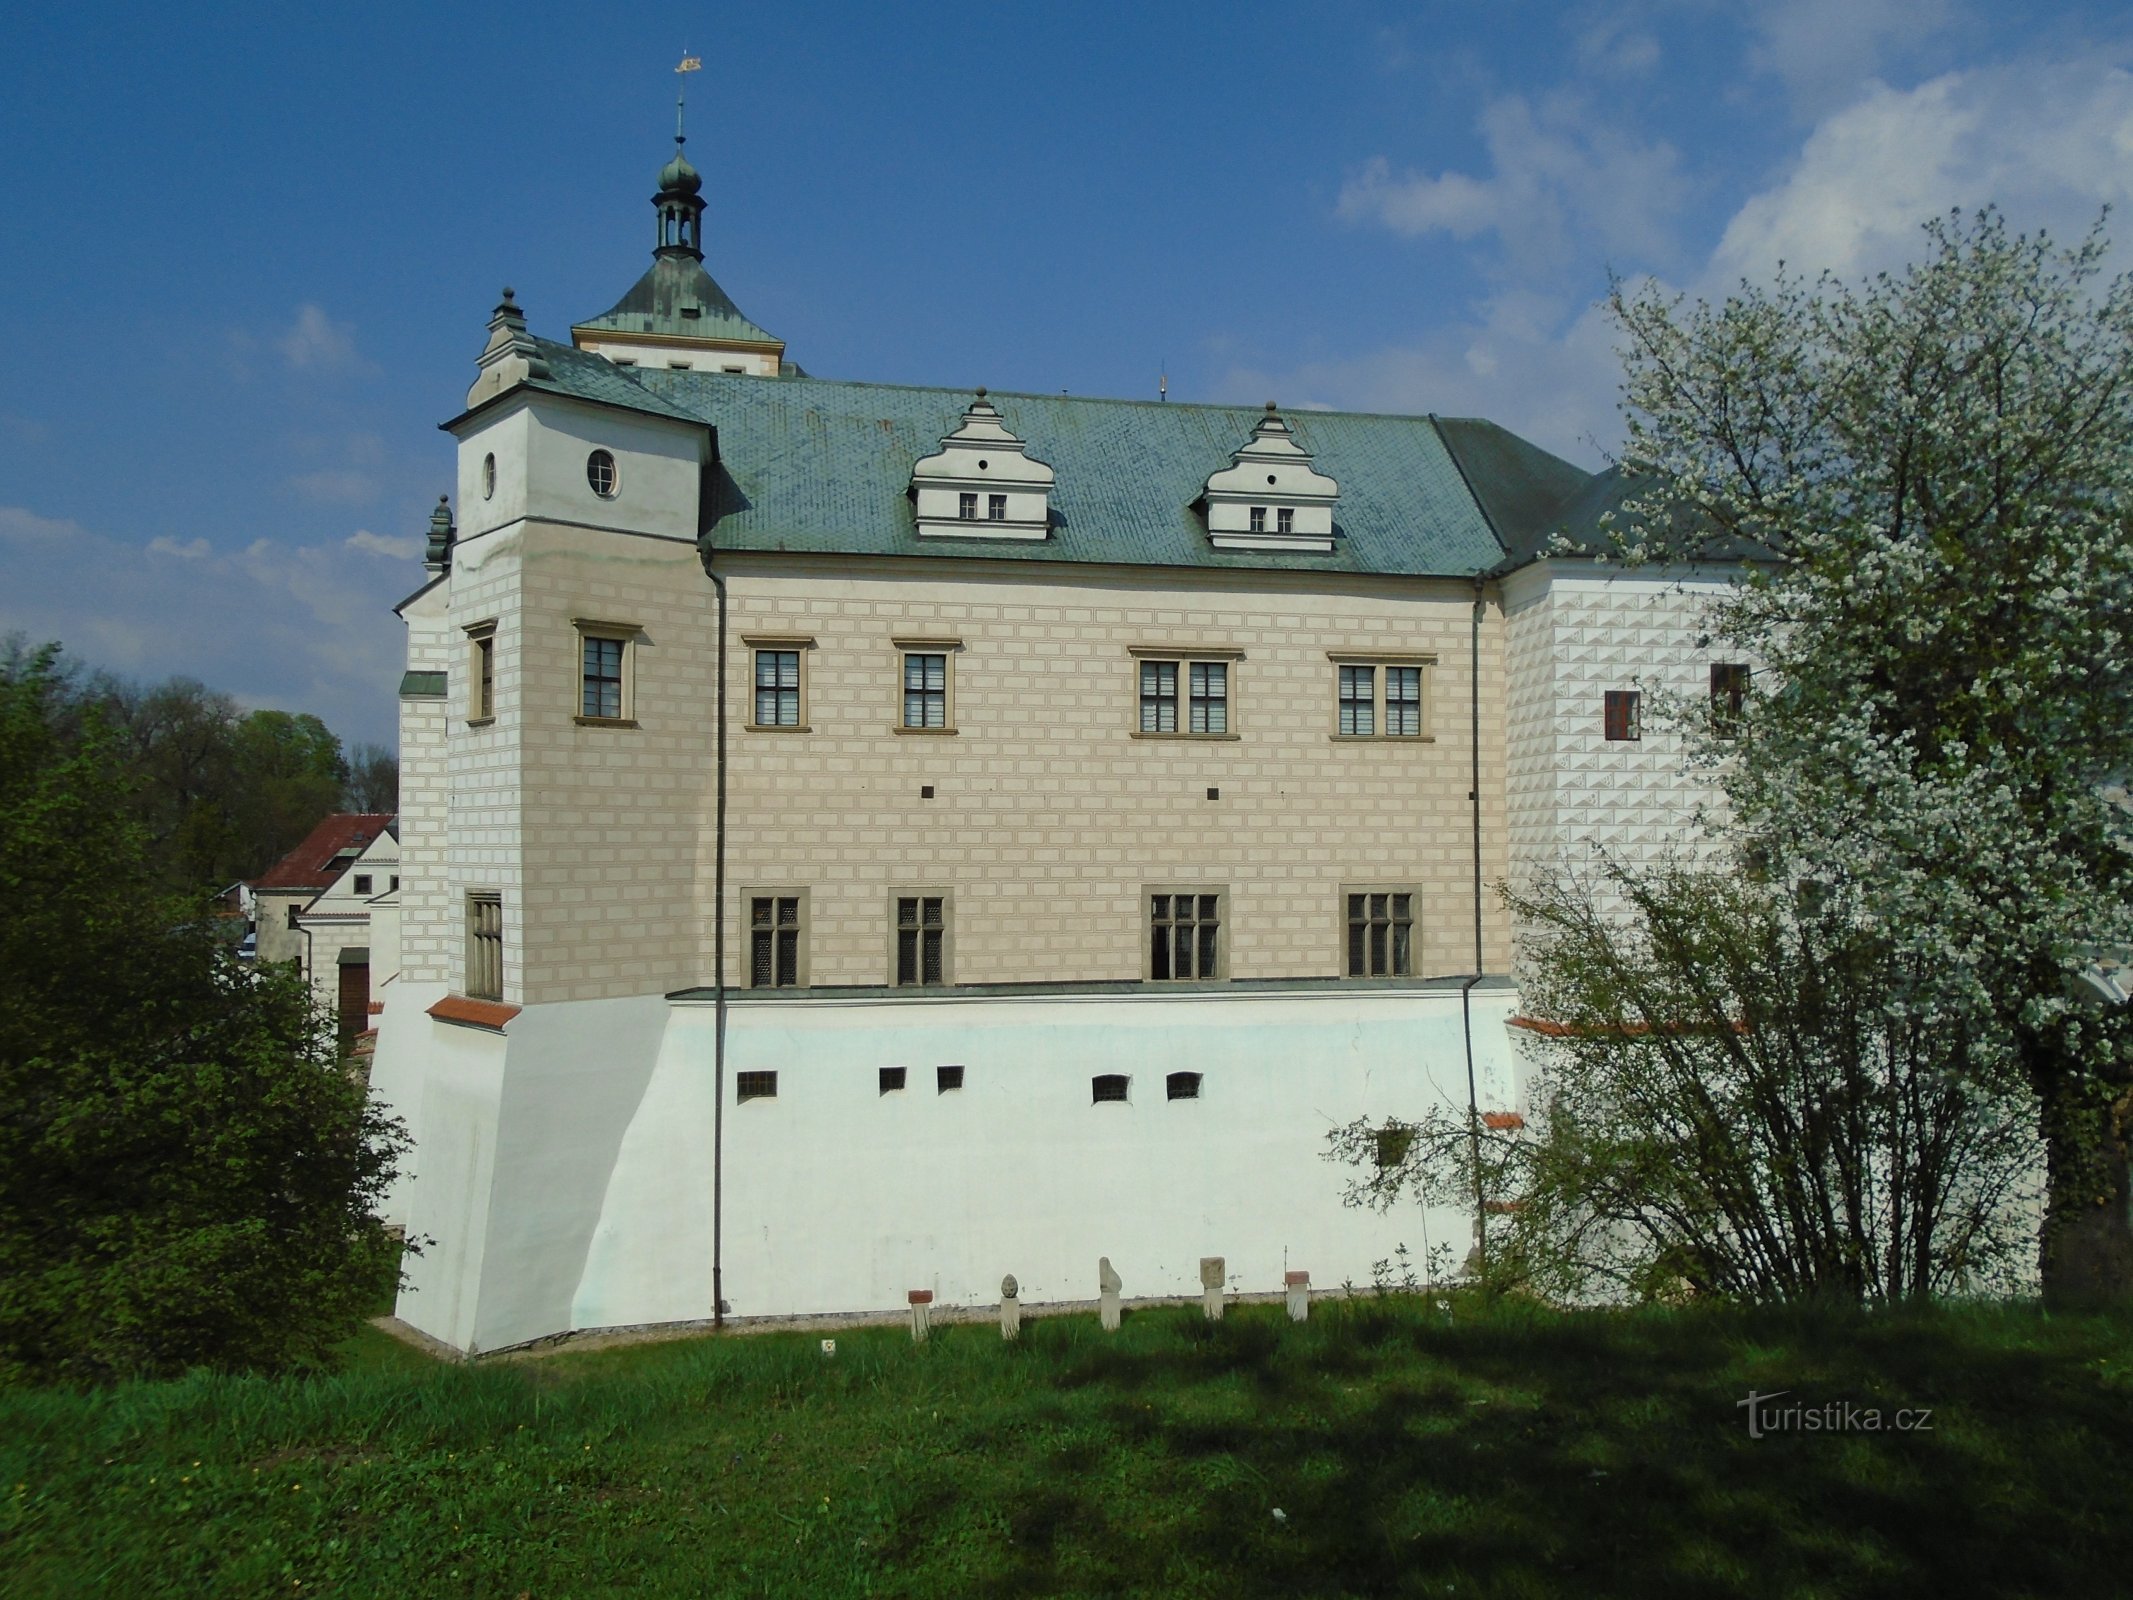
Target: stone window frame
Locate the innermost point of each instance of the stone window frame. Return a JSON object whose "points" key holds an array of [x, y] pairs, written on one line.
{"points": [[922, 893], [626, 634], [801, 965], [788, 643], [484, 975], [1148, 929], [1185, 658], [1425, 661], [481, 672], [925, 645], [1342, 924]]}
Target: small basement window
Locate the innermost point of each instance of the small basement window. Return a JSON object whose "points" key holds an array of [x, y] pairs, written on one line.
{"points": [[1182, 1086], [756, 1086], [947, 1079], [892, 1080], [1107, 1086]]}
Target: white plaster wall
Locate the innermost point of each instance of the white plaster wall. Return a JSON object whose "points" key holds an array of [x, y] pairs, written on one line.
{"points": [[398, 1068], [597, 1167], [755, 361]]}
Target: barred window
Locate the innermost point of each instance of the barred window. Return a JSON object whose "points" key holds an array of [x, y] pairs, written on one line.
{"points": [[892, 1080], [601, 678], [775, 925], [1624, 714], [755, 1086], [1184, 935], [777, 688], [921, 933], [925, 690], [1182, 1086], [485, 945], [1108, 1086], [1359, 701], [1381, 933], [946, 1080]]}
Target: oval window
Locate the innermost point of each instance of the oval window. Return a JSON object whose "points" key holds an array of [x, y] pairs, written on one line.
{"points": [[488, 477], [600, 473]]}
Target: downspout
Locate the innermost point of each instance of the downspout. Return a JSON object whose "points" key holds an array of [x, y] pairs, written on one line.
{"points": [[718, 967], [1466, 991]]}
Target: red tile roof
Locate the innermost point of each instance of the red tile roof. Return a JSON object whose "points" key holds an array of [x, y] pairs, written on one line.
{"points": [[316, 862]]}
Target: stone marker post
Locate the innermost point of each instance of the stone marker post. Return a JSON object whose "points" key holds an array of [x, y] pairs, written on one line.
{"points": [[1010, 1308], [1299, 1287], [1108, 1285], [1214, 1275], [920, 1299]]}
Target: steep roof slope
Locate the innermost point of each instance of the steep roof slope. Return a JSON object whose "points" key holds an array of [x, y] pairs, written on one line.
{"points": [[325, 853]]}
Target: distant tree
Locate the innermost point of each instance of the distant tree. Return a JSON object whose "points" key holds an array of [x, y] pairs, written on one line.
{"points": [[373, 780], [188, 1176], [289, 774], [1939, 466]]}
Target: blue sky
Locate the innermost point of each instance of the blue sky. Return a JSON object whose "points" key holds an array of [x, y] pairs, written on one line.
{"points": [[247, 260]]}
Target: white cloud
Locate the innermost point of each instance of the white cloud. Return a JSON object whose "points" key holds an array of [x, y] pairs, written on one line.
{"points": [[1562, 176], [21, 526], [1824, 51], [192, 550], [316, 343], [1614, 46], [400, 547], [2048, 143], [340, 486]]}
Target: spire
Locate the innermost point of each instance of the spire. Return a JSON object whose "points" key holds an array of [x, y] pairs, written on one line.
{"points": [[680, 198]]}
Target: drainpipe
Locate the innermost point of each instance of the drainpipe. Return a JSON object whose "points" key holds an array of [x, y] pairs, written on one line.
{"points": [[1466, 992], [718, 962]]}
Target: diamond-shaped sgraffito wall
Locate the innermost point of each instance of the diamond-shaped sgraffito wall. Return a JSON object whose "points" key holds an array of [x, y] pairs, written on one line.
{"points": [[1571, 637]]}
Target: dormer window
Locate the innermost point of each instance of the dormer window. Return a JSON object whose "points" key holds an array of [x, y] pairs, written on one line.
{"points": [[982, 457], [1271, 472]]}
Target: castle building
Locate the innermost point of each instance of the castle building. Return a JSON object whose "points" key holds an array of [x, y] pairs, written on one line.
{"points": [[859, 838]]}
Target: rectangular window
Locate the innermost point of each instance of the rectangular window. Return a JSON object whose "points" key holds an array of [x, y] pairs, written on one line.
{"points": [[1258, 519], [946, 1080], [776, 924], [1185, 935], [1285, 521], [1624, 714], [1383, 699], [1208, 682], [966, 507], [755, 1086], [777, 688], [604, 650], [1359, 696], [996, 508], [925, 689], [481, 672], [1181, 1086], [362, 883], [1381, 933], [485, 945], [921, 939], [1159, 697], [1108, 1086], [1729, 698], [892, 1080]]}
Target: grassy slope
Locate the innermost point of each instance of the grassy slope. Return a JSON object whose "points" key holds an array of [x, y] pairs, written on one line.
{"points": [[1509, 1453]]}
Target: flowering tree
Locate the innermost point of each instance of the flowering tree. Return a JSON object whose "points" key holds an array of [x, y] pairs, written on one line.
{"points": [[1938, 466]]}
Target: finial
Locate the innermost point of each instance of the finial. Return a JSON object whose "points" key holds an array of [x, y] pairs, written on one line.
{"points": [[689, 64], [981, 391], [1270, 408], [510, 296]]}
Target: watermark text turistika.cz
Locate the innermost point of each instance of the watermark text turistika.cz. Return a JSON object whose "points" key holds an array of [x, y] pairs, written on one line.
{"points": [[1767, 1416]]}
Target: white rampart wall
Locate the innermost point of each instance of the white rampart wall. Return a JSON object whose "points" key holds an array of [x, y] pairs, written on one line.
{"points": [[578, 1189]]}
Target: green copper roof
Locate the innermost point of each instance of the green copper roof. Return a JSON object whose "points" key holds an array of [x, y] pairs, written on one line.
{"points": [[811, 465], [677, 298]]}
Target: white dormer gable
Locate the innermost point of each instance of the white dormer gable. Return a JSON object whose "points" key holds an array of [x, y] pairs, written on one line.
{"points": [[983, 484], [1271, 498]]}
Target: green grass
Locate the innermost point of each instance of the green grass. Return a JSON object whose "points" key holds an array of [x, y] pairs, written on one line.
{"points": [[1485, 1453]]}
